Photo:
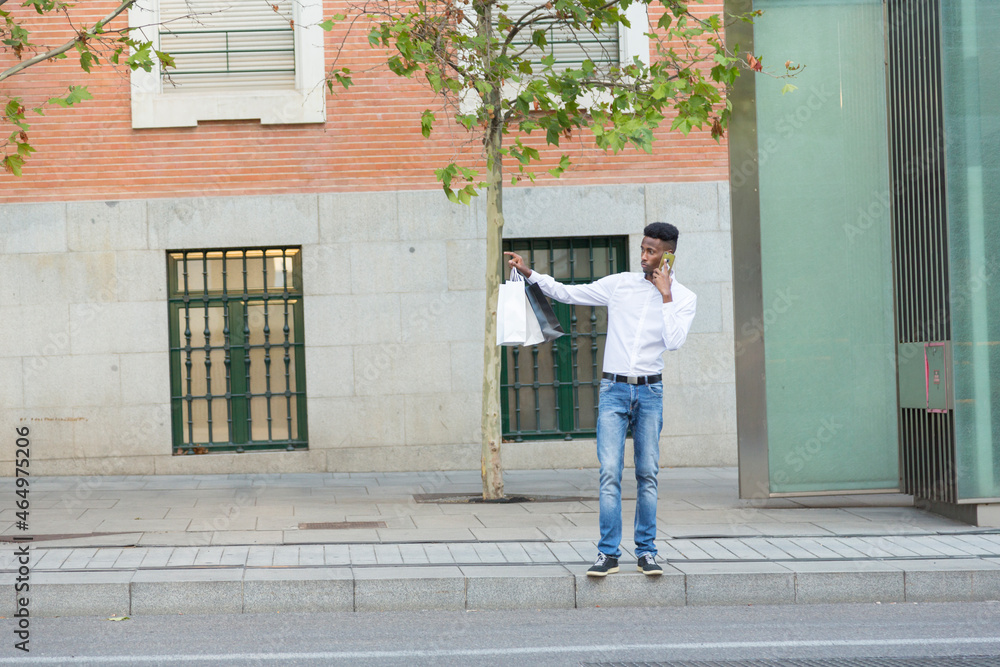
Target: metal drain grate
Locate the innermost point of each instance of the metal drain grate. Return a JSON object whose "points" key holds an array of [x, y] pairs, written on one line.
{"points": [[342, 525], [942, 661]]}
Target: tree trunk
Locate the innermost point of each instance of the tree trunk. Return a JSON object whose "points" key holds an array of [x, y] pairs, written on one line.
{"points": [[492, 433]]}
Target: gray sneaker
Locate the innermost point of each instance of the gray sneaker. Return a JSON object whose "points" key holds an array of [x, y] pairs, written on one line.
{"points": [[647, 565], [603, 566]]}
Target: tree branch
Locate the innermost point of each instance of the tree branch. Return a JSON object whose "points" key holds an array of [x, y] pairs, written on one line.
{"points": [[59, 50]]}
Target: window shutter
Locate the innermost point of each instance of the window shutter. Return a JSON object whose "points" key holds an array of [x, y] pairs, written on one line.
{"points": [[228, 44], [570, 47]]}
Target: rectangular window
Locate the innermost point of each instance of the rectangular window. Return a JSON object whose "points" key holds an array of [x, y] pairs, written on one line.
{"points": [[225, 46], [551, 390], [235, 60], [237, 359], [570, 47]]}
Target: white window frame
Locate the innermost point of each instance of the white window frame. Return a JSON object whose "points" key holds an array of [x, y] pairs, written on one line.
{"points": [[633, 41], [151, 107]]}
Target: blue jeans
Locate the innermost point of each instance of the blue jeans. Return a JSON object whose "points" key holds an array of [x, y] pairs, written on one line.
{"points": [[641, 408]]}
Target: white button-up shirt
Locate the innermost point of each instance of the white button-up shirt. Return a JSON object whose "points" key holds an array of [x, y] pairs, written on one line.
{"points": [[640, 326]]}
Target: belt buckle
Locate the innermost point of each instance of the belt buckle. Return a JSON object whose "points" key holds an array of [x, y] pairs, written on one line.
{"points": [[631, 380]]}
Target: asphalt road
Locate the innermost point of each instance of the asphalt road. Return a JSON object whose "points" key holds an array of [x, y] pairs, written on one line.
{"points": [[848, 634]]}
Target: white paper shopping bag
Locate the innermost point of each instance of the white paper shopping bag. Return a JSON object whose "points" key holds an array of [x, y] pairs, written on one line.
{"points": [[516, 320], [512, 315]]}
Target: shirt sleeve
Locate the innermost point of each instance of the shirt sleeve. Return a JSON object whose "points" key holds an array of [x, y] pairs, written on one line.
{"points": [[597, 293], [677, 318]]}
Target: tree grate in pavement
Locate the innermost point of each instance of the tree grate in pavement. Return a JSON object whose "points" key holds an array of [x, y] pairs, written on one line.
{"points": [[937, 661]]}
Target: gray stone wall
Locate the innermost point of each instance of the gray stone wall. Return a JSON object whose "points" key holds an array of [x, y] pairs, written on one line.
{"points": [[393, 324]]}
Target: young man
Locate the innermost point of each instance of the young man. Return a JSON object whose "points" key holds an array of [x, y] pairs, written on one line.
{"points": [[648, 313]]}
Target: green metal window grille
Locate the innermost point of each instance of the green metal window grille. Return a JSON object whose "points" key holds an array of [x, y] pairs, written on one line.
{"points": [[551, 390], [237, 354]]}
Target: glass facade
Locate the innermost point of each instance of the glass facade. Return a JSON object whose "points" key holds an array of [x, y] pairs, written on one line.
{"points": [[825, 249], [971, 89]]}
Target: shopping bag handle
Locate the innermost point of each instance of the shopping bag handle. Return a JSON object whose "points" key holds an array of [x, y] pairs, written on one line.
{"points": [[515, 276]]}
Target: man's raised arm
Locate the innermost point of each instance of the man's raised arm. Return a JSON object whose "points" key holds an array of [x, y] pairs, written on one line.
{"points": [[597, 293]]}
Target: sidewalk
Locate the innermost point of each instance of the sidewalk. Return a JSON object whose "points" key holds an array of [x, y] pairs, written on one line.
{"points": [[395, 541]]}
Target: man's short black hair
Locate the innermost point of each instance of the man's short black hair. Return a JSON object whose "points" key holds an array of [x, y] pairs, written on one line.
{"points": [[663, 231]]}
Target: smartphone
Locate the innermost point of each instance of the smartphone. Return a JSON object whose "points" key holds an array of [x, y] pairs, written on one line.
{"points": [[668, 261]]}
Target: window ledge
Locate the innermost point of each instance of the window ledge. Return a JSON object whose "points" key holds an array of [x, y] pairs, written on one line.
{"points": [[271, 107]]}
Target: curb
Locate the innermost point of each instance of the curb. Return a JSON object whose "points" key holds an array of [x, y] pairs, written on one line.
{"points": [[239, 590]]}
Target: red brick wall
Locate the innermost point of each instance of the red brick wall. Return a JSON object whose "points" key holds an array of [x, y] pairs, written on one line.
{"points": [[371, 140]]}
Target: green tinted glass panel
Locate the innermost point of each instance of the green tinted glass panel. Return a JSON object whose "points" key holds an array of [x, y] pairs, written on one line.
{"points": [[972, 128], [826, 248]]}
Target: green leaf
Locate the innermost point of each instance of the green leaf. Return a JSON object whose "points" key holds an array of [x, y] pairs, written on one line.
{"points": [[426, 123], [13, 164], [76, 94], [787, 88], [326, 25], [564, 164], [88, 60], [343, 80]]}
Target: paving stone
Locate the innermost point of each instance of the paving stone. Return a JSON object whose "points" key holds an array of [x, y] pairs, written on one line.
{"points": [[689, 550], [408, 589], [714, 549], [565, 553], [489, 553], [439, 553], [51, 559], [260, 556], [737, 583], [413, 554], [939, 585], [631, 589], [513, 552], [831, 583], [215, 591], [337, 554], [298, 590], [538, 553], [312, 554], [739, 549], [286, 556], [986, 584], [74, 594], [235, 555], [513, 587], [387, 554]]}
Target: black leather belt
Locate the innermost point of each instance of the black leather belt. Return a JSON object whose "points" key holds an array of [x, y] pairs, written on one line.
{"points": [[642, 379]]}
